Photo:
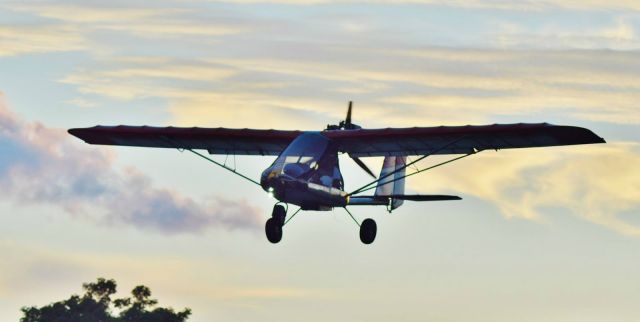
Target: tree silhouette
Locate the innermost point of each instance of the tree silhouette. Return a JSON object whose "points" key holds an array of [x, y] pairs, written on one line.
{"points": [[96, 305]]}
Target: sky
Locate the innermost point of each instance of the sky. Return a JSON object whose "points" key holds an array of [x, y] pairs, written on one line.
{"points": [[540, 235]]}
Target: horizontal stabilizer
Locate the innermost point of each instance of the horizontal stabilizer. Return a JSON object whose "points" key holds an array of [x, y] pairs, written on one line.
{"points": [[384, 200], [421, 197]]}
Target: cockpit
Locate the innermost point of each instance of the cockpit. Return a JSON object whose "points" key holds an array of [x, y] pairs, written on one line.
{"points": [[310, 157], [302, 155]]}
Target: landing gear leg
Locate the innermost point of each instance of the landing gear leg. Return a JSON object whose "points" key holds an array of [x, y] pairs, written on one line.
{"points": [[273, 226]]}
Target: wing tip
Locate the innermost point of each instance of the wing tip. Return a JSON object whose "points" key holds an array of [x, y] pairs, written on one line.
{"points": [[575, 135], [75, 132], [88, 136]]}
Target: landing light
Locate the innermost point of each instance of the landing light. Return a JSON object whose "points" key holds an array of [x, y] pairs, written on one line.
{"points": [[270, 192]]}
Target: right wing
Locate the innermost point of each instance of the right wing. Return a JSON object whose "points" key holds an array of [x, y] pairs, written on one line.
{"points": [[457, 139], [214, 140]]}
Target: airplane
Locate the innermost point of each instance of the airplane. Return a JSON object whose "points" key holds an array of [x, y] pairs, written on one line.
{"points": [[306, 172]]}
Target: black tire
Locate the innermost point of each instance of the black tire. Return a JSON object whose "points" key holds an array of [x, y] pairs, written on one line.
{"points": [[273, 231], [279, 214], [368, 230]]}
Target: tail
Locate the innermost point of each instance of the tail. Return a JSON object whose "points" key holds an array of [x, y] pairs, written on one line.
{"points": [[390, 190], [394, 184]]}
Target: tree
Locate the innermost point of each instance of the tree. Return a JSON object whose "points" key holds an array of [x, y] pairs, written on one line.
{"points": [[96, 305]]}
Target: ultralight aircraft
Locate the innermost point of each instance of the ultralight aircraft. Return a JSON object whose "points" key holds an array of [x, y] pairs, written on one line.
{"points": [[307, 174]]}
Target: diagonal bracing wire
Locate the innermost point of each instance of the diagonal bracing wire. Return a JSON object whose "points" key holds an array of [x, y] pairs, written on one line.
{"points": [[291, 217], [223, 166], [352, 217], [367, 186], [421, 170]]}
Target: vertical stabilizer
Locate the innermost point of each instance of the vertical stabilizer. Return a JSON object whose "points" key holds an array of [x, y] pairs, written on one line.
{"points": [[390, 186]]}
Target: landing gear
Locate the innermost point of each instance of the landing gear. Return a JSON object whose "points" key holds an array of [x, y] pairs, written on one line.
{"points": [[273, 226], [279, 214], [368, 230], [273, 230]]}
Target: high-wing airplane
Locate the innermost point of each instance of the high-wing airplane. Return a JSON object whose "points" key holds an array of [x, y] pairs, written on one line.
{"points": [[307, 174]]}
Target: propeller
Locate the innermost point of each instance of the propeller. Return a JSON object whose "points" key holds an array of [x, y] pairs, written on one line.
{"points": [[363, 166], [348, 125]]}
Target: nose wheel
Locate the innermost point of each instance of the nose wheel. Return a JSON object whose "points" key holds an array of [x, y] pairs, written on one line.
{"points": [[273, 226], [273, 230]]}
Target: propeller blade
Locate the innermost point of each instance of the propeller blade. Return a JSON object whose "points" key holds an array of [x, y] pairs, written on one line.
{"points": [[348, 120], [363, 166]]}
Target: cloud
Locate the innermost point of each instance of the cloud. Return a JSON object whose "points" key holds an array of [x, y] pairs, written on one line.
{"points": [[39, 165], [100, 12], [81, 102], [623, 30], [619, 34], [164, 29], [148, 22], [17, 40], [96, 13], [600, 183], [85, 27], [518, 5], [427, 84]]}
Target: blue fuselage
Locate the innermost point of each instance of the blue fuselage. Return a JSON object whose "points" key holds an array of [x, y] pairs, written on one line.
{"points": [[307, 174]]}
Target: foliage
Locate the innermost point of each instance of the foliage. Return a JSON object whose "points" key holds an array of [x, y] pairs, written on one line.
{"points": [[96, 305]]}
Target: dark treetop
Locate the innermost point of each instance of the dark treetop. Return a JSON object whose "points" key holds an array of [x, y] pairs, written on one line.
{"points": [[97, 305]]}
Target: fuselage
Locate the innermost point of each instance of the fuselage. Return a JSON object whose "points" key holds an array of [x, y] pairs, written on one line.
{"points": [[307, 174]]}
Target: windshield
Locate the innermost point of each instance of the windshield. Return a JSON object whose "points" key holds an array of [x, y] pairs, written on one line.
{"points": [[306, 150]]}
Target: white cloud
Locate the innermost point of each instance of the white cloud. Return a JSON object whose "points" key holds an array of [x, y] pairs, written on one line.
{"points": [[623, 31], [81, 102], [600, 183], [518, 5], [17, 40], [84, 13], [141, 21], [430, 83]]}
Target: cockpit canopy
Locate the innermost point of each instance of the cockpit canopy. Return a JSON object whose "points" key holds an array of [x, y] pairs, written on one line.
{"points": [[302, 155], [311, 157]]}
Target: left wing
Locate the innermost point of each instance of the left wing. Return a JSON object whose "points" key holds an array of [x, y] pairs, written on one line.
{"points": [[214, 140], [457, 139]]}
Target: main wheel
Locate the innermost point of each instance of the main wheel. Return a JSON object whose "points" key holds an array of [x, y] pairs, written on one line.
{"points": [[273, 229], [279, 214], [368, 230]]}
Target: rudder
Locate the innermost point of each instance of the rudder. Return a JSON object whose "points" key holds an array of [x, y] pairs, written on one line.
{"points": [[392, 185]]}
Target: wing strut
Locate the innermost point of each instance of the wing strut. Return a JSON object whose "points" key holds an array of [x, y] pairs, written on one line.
{"points": [[224, 166], [369, 187]]}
